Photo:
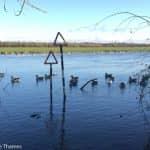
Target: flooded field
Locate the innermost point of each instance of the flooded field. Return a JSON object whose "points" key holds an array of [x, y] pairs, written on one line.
{"points": [[99, 117]]}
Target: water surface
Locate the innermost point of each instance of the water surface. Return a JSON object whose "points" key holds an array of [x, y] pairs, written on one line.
{"points": [[97, 118]]}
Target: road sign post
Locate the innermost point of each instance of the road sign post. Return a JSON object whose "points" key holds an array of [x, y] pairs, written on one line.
{"points": [[61, 44], [48, 62]]}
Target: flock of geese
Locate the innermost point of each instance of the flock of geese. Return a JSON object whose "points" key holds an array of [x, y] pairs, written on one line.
{"points": [[110, 79], [41, 78], [14, 79], [74, 80]]}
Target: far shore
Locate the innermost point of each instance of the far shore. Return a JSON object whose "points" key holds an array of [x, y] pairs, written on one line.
{"points": [[74, 49], [42, 48]]}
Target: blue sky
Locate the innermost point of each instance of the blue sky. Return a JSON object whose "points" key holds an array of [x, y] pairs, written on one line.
{"points": [[65, 15]]}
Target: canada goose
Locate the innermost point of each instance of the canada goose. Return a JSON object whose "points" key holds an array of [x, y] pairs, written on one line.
{"points": [[35, 115], [47, 76], [143, 83], [146, 77], [109, 76], [132, 80], [15, 79], [94, 82], [73, 81], [39, 78], [144, 80], [109, 81], [2, 75], [122, 85], [74, 77]]}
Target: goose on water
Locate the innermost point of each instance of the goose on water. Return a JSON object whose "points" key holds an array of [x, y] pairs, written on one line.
{"points": [[2, 75], [109, 76], [47, 76], [39, 78], [73, 81], [132, 80], [122, 85], [15, 79], [109, 81], [94, 82]]}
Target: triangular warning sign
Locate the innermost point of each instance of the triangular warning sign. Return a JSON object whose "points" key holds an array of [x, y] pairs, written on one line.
{"points": [[47, 60], [59, 40]]}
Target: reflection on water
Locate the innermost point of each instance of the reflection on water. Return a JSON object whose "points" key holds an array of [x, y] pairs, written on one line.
{"points": [[100, 117], [51, 124]]}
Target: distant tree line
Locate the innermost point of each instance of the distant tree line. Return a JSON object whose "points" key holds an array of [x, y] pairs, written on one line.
{"points": [[24, 44]]}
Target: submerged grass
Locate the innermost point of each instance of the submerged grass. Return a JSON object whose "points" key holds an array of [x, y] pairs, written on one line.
{"points": [[41, 50]]}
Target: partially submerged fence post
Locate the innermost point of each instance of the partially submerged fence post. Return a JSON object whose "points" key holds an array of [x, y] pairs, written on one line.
{"points": [[56, 43], [87, 83]]}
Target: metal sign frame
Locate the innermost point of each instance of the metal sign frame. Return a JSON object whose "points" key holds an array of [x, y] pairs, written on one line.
{"points": [[58, 44], [51, 53]]}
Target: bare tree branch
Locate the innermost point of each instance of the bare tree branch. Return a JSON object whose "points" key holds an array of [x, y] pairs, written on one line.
{"points": [[35, 7], [5, 9], [132, 17], [22, 5], [120, 13], [129, 20], [124, 21], [21, 9]]}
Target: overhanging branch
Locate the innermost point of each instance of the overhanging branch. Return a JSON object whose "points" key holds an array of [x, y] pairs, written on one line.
{"points": [[22, 5]]}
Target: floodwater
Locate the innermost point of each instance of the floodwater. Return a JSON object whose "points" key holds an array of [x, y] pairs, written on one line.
{"points": [[97, 118]]}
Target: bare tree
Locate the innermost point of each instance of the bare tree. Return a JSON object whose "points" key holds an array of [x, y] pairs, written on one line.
{"points": [[22, 4], [129, 17]]}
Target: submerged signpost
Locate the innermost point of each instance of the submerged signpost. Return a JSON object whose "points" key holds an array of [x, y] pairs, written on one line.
{"points": [[61, 44], [51, 53], [48, 62]]}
